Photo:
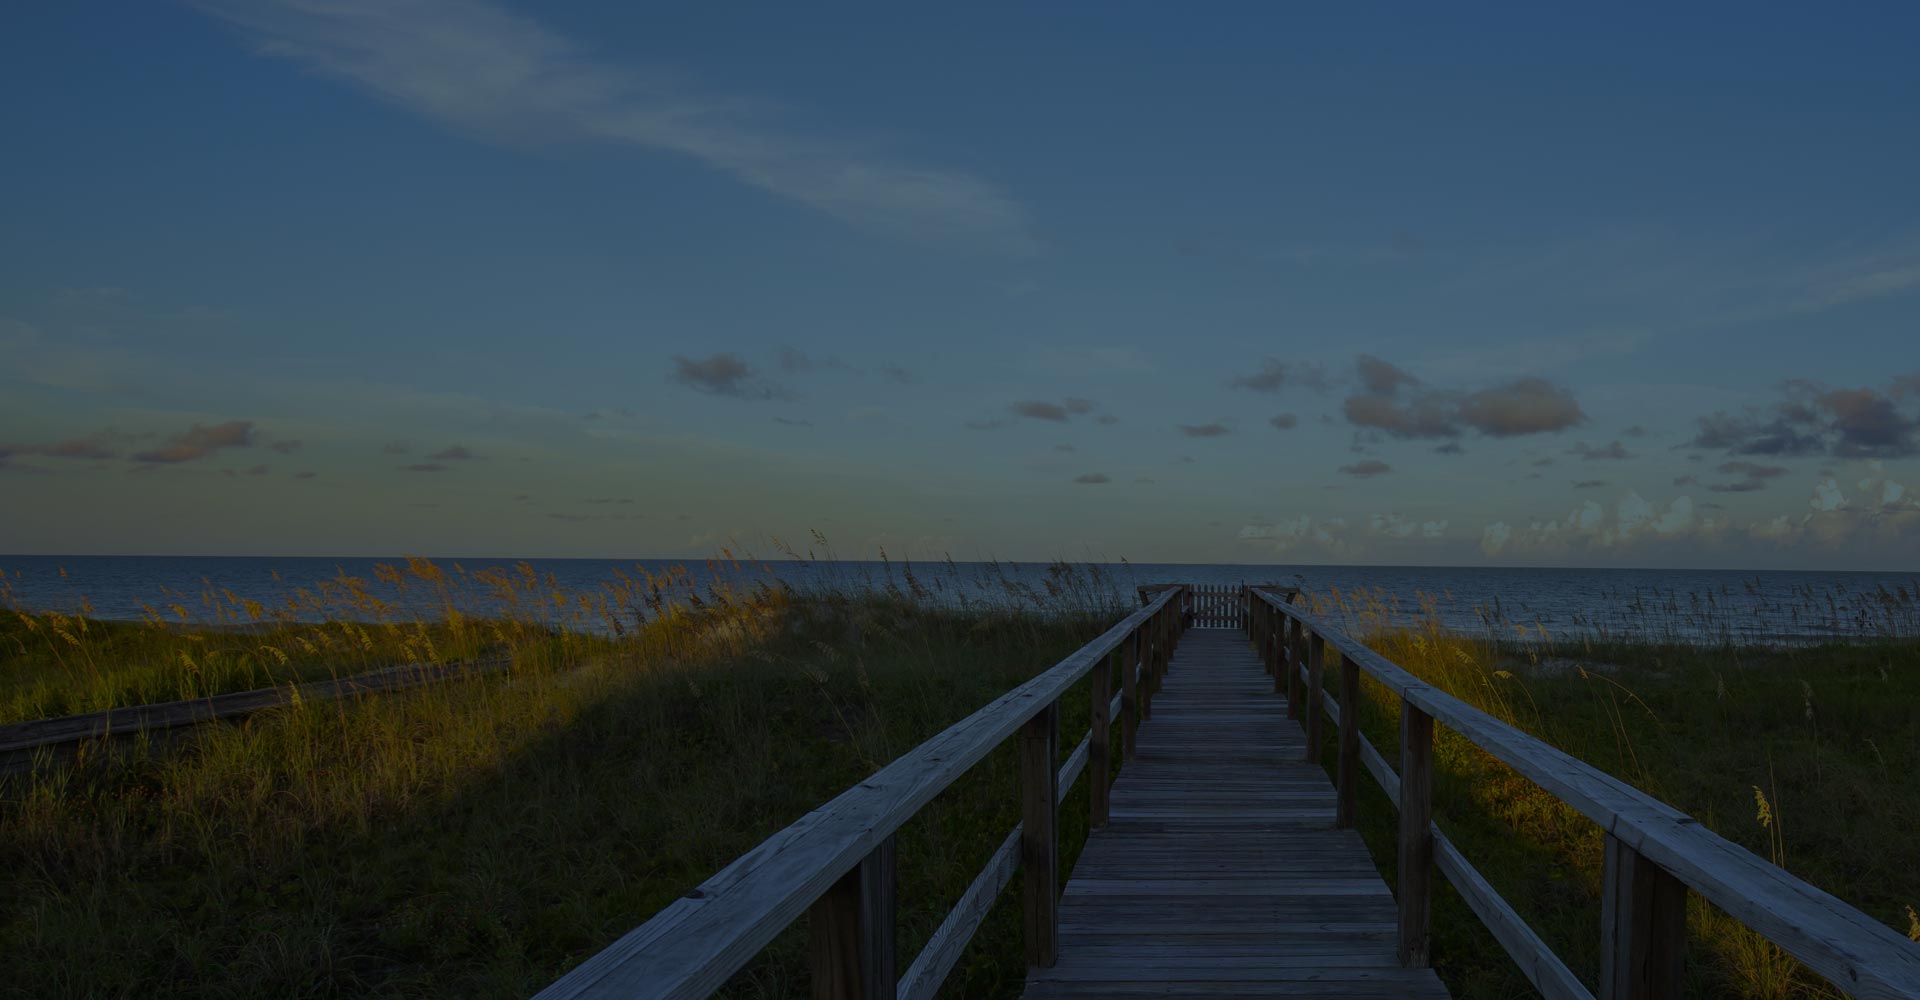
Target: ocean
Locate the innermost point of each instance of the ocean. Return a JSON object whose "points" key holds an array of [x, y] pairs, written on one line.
{"points": [[1695, 605]]}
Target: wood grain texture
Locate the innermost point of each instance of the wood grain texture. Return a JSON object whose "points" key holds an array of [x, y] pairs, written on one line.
{"points": [[1855, 952], [1219, 872], [1347, 775], [850, 932], [1039, 839], [1416, 834], [1100, 739], [1643, 928], [1316, 694]]}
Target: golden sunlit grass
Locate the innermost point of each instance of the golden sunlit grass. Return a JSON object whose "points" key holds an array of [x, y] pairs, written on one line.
{"points": [[477, 837], [1809, 756]]}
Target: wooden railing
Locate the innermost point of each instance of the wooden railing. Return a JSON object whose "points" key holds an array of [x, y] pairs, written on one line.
{"points": [[835, 865], [1654, 854]]}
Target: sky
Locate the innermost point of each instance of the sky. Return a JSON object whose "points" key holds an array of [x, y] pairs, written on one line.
{"points": [[1375, 284]]}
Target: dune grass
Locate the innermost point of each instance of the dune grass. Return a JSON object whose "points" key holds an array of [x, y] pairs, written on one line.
{"points": [[1809, 756], [478, 837]]}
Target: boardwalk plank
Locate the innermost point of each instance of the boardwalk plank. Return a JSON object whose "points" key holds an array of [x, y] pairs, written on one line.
{"points": [[1220, 873]]}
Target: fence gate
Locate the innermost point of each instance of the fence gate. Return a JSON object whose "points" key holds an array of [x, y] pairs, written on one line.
{"points": [[1218, 605]]}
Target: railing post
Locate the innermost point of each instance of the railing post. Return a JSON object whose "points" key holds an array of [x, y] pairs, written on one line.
{"points": [[1643, 928], [850, 932], [1349, 773], [1130, 692], [1416, 835], [1039, 797], [1100, 736], [1296, 651], [1277, 655], [1316, 681]]}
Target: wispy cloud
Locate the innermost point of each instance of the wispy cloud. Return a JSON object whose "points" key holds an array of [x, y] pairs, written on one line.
{"points": [[481, 69], [199, 441], [1092, 478], [1367, 469], [1212, 430], [725, 375]]}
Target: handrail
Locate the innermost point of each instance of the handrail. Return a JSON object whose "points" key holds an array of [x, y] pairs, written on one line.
{"points": [[839, 857], [1648, 842]]}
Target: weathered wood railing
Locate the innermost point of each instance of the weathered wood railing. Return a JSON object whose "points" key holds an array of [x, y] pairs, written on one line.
{"points": [[1654, 854], [836, 864]]}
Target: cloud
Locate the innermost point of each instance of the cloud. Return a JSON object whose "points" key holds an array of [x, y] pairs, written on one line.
{"points": [[1396, 526], [1034, 409], [258, 470], [1092, 477], [1817, 420], [1283, 421], [286, 447], [1215, 429], [724, 374], [453, 453], [1612, 450], [1382, 378], [1522, 406], [199, 441], [1328, 534], [1079, 405], [1594, 526], [1450, 448], [76, 448], [424, 467], [1367, 469], [791, 422], [1753, 476], [1106, 418], [1636, 431], [1275, 375], [899, 374], [305, 475], [479, 69], [1885, 515], [1394, 402], [985, 425], [1589, 484]]}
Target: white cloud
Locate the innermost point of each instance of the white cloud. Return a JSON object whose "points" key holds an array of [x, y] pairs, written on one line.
{"points": [[1632, 520], [1827, 495], [479, 68]]}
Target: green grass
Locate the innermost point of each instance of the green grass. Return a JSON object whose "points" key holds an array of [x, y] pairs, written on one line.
{"points": [[1828, 736], [479, 837]]}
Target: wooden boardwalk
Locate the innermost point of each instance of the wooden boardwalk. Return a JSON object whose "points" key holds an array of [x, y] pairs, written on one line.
{"points": [[1220, 873], [1221, 870]]}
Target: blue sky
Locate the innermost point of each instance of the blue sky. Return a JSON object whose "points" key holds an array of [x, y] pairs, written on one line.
{"points": [[1630, 286]]}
